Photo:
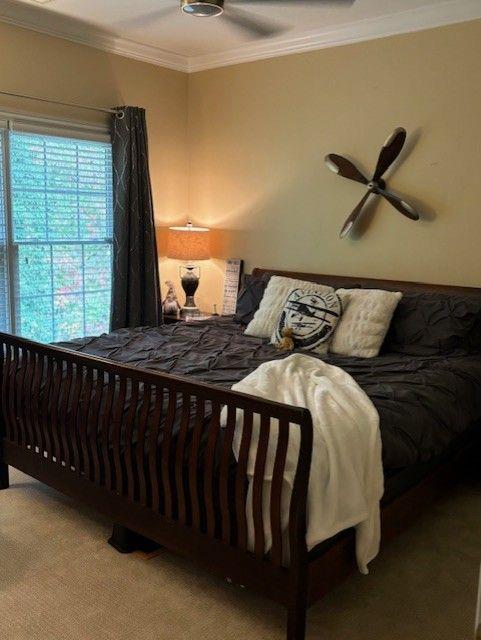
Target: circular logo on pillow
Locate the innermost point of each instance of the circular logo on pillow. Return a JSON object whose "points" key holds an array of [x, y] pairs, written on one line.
{"points": [[312, 317]]}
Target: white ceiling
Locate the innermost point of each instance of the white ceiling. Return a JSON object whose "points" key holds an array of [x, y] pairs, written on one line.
{"points": [[189, 43]]}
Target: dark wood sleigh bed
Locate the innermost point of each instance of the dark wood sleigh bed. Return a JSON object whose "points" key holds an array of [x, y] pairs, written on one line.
{"points": [[91, 428]]}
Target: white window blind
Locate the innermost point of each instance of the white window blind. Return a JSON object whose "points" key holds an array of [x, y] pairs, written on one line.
{"points": [[60, 248], [4, 298]]}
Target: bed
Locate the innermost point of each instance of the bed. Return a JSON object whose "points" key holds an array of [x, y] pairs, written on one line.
{"points": [[130, 422]]}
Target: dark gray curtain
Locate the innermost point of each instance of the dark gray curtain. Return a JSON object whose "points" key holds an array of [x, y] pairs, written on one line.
{"points": [[135, 291]]}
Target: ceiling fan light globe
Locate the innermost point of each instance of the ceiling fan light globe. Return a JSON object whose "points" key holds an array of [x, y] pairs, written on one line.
{"points": [[203, 8]]}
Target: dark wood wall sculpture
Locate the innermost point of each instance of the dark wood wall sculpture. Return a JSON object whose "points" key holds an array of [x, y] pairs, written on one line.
{"points": [[376, 185]]}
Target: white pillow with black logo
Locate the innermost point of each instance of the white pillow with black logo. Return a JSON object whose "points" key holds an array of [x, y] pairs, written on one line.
{"points": [[312, 318], [264, 322]]}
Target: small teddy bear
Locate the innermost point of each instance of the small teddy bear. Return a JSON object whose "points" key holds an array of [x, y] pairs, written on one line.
{"points": [[287, 342]]}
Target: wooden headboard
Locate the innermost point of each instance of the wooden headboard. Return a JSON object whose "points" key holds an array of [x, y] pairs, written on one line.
{"points": [[350, 282]]}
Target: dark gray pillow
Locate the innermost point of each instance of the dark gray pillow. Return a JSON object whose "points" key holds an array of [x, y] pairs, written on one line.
{"points": [[434, 323], [250, 296]]}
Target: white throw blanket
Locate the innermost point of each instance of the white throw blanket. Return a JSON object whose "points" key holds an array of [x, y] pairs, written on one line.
{"points": [[346, 480]]}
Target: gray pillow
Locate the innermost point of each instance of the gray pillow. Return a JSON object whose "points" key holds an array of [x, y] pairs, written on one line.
{"points": [[250, 296], [435, 323]]}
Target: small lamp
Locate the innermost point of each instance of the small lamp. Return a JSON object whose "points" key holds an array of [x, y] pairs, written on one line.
{"points": [[189, 243]]}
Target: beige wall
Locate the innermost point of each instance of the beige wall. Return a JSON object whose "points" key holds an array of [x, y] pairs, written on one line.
{"points": [[258, 133], [241, 148], [40, 65]]}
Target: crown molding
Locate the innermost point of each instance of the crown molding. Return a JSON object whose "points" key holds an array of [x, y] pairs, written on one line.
{"points": [[50, 23], [435, 15]]}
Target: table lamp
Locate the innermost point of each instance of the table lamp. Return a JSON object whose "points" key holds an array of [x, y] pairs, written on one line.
{"points": [[189, 243]]}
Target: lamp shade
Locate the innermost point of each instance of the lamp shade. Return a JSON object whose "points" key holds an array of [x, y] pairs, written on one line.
{"points": [[188, 243]]}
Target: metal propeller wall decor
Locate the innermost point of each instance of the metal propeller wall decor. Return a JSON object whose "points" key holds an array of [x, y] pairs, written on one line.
{"points": [[376, 185]]}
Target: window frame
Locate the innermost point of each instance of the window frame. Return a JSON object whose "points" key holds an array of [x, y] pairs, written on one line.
{"points": [[26, 123]]}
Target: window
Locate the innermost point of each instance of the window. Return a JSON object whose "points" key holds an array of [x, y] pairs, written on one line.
{"points": [[55, 236], [4, 308]]}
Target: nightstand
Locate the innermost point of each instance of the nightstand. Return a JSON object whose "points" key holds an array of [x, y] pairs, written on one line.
{"points": [[188, 320]]}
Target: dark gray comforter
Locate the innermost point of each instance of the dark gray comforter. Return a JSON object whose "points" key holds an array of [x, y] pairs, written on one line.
{"points": [[424, 403]]}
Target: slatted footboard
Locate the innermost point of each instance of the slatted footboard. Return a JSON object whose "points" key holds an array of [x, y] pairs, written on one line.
{"points": [[149, 451]]}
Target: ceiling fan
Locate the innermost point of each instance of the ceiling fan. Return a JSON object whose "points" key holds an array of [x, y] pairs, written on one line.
{"points": [[376, 185], [230, 12]]}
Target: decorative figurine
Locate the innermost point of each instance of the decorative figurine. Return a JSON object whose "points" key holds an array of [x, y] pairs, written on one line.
{"points": [[170, 306]]}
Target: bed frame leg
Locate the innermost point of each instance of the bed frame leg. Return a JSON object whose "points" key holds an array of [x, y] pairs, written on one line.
{"points": [[297, 607], [126, 541], [4, 478], [296, 621]]}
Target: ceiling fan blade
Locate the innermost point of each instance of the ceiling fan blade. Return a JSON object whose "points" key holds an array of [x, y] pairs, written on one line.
{"points": [[246, 22], [344, 168], [351, 221], [401, 205], [147, 19], [390, 151]]}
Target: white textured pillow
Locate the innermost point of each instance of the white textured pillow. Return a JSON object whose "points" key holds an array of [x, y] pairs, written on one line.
{"points": [[265, 318], [364, 322]]}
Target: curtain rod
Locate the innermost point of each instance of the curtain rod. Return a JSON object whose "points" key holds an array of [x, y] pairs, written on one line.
{"points": [[118, 112]]}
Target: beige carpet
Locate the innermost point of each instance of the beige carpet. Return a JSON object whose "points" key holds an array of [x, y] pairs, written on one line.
{"points": [[59, 580]]}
